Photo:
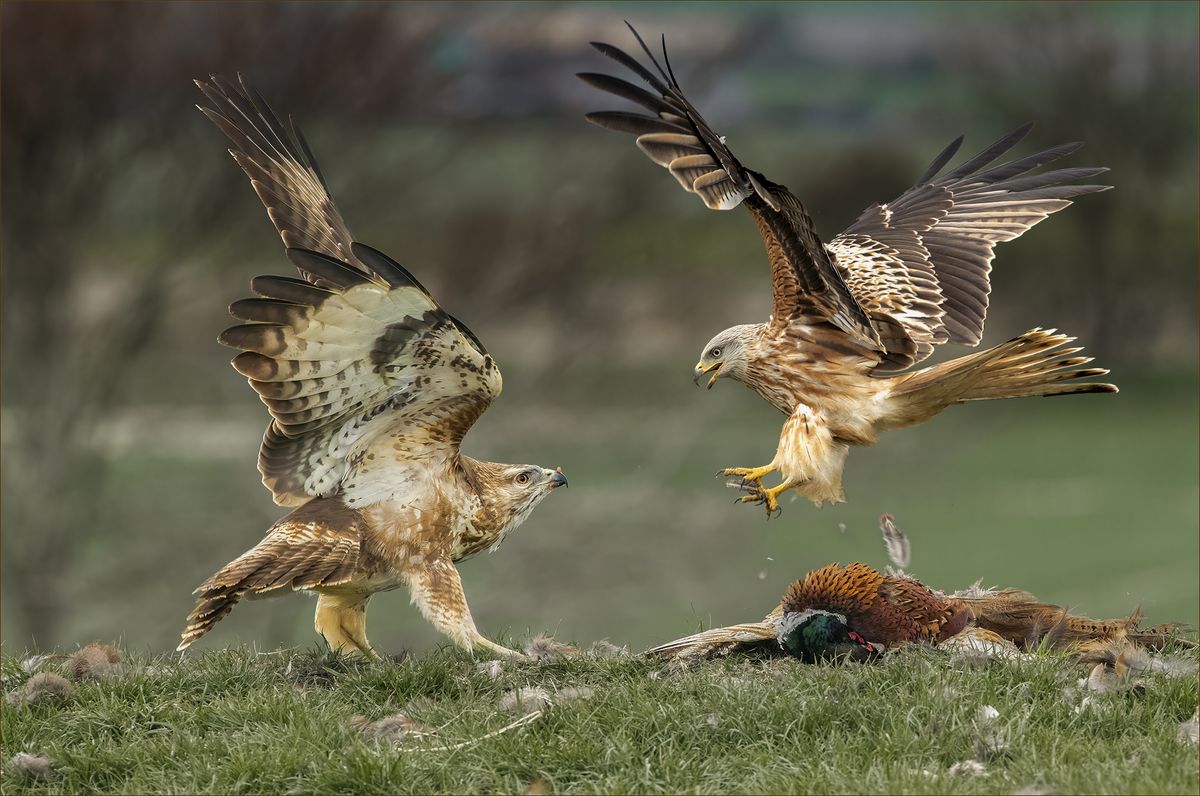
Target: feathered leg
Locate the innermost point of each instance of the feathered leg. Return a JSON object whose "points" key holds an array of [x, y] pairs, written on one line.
{"points": [[437, 591], [807, 458]]}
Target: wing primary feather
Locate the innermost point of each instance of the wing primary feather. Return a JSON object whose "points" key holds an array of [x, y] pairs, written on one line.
{"points": [[940, 161], [322, 265], [1029, 162], [646, 50], [991, 153], [387, 268], [636, 123], [667, 61], [623, 58], [626, 90]]}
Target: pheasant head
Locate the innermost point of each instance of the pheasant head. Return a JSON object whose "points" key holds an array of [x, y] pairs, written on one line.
{"points": [[818, 635]]}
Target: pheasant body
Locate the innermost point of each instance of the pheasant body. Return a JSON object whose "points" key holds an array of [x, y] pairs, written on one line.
{"points": [[857, 611]]}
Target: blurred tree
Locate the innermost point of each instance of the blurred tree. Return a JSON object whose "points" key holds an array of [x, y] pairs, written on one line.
{"points": [[1130, 92]]}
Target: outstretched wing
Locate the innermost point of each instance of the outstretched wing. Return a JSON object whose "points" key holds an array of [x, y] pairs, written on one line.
{"points": [[355, 351], [281, 169], [805, 282], [923, 261], [342, 365]]}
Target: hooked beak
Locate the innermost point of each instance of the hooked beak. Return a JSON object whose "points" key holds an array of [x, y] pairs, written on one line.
{"points": [[700, 370], [557, 479]]}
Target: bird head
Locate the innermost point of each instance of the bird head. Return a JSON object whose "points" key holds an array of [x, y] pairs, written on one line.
{"points": [[814, 635], [514, 490], [726, 355]]}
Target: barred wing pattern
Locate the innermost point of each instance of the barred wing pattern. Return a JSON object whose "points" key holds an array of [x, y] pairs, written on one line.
{"points": [[805, 281], [907, 275], [925, 259], [340, 366], [305, 550], [356, 350], [281, 169]]}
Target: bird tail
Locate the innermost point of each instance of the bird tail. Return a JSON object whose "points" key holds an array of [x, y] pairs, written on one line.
{"points": [[718, 641], [210, 609], [1019, 617], [1031, 364]]}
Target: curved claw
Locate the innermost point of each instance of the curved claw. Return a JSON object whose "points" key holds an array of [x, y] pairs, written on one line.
{"points": [[762, 497]]}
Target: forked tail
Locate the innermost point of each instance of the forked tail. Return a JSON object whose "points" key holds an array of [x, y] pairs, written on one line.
{"points": [[1031, 364]]}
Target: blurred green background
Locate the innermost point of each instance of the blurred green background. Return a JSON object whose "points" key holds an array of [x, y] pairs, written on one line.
{"points": [[452, 138]]}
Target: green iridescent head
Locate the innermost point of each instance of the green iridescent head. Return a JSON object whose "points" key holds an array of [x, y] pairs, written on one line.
{"points": [[819, 635]]}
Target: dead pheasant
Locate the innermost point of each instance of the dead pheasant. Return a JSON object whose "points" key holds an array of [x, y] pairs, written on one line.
{"points": [[858, 612]]}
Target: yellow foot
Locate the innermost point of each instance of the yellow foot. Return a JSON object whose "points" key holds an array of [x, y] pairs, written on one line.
{"points": [[766, 497], [749, 475]]}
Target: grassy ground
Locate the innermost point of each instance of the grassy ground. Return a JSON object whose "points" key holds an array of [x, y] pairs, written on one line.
{"points": [[236, 722]]}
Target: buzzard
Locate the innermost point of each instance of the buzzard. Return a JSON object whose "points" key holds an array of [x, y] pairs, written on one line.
{"points": [[371, 386], [905, 277]]}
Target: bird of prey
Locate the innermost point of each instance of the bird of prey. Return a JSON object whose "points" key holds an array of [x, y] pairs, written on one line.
{"points": [[858, 612], [905, 277], [371, 386]]}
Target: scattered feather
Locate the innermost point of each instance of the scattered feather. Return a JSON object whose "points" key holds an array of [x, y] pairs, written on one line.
{"points": [[537, 788], [570, 694], [713, 720], [967, 768], [529, 698], [544, 649], [1189, 731], [491, 669], [898, 548], [986, 715], [992, 745], [34, 662], [392, 728], [94, 662], [606, 649], [32, 766], [1106, 679], [1172, 667], [42, 687]]}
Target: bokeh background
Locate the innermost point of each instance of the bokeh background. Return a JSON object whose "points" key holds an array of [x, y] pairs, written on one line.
{"points": [[452, 138]]}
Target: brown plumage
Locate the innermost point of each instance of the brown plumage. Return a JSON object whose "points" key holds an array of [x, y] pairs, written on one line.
{"points": [[905, 277], [881, 610], [371, 387], [885, 610]]}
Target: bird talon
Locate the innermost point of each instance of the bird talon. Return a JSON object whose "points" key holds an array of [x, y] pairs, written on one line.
{"points": [[768, 498]]}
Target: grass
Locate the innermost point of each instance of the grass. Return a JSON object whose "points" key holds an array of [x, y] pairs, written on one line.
{"points": [[236, 722]]}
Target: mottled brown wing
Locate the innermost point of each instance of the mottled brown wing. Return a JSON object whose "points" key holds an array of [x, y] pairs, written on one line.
{"points": [[340, 367], [315, 546], [281, 169], [916, 613], [805, 281], [921, 263], [357, 350]]}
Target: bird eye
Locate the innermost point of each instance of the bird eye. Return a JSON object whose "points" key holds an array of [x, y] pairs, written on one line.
{"points": [[523, 479], [716, 352]]}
